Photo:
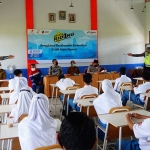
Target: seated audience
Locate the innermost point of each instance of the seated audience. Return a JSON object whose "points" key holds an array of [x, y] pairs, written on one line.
{"points": [[35, 76], [77, 132], [38, 128], [105, 102], [94, 67], [19, 84], [63, 83], [12, 82], [141, 131], [24, 100], [86, 90], [137, 97], [55, 69], [73, 70], [122, 79], [2, 73]]}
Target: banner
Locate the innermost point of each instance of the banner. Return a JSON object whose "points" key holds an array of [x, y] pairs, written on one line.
{"points": [[63, 45]]}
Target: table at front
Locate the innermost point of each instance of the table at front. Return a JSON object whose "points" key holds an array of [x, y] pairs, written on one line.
{"points": [[78, 79], [86, 103], [68, 93], [118, 120]]}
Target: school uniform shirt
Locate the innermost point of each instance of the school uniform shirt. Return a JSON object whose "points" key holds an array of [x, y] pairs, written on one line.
{"points": [[109, 99], [120, 80], [11, 84], [38, 128], [19, 83], [64, 83], [86, 90], [24, 100], [142, 132], [142, 89]]}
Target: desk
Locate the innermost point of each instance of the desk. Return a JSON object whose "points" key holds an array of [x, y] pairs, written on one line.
{"points": [[78, 79], [5, 97], [4, 83], [135, 72], [7, 108], [67, 92], [119, 120], [4, 89], [138, 79]]}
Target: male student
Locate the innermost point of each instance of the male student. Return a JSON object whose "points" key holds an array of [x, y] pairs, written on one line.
{"points": [[86, 90], [137, 96], [12, 82], [141, 131], [77, 132], [123, 78], [63, 83], [35, 76]]}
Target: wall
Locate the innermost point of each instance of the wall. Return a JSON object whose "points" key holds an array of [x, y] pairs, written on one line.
{"points": [[147, 10]]}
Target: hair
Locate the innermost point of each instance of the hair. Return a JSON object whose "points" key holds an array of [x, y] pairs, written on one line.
{"points": [[17, 72], [54, 60], [87, 78], [122, 70], [95, 61], [77, 132], [146, 75], [32, 65], [72, 61], [61, 77]]}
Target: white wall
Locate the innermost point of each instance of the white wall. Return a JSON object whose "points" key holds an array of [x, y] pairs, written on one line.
{"points": [[12, 32], [120, 31], [147, 21]]}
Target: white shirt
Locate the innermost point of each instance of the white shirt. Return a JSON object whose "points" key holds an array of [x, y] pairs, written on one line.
{"points": [[12, 82], [86, 90], [142, 132], [142, 89], [120, 80], [109, 99], [64, 83]]}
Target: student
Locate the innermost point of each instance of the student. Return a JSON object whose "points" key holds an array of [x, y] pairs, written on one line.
{"points": [[105, 102], [94, 67], [55, 69], [141, 131], [73, 69], [63, 83], [86, 90], [24, 100], [38, 128], [77, 132], [35, 76], [122, 79], [19, 84], [136, 96], [12, 82]]}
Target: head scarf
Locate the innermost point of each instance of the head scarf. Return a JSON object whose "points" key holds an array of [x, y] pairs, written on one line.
{"points": [[24, 100]]}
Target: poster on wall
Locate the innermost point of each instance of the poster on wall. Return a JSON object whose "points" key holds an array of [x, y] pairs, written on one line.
{"points": [[63, 45]]}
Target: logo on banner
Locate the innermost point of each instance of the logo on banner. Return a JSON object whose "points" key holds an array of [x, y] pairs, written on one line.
{"points": [[91, 32], [62, 36]]}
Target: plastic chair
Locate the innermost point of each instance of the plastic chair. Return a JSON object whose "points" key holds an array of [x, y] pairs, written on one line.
{"points": [[112, 132], [52, 147]]}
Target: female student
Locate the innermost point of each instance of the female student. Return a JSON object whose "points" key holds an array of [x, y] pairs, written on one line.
{"points": [[109, 99], [24, 100], [18, 85], [38, 129]]}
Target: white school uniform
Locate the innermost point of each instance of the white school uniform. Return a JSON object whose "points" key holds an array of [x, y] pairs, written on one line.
{"points": [[20, 82], [142, 132], [109, 99], [142, 89], [64, 83], [120, 80], [86, 90], [24, 100], [11, 84], [38, 129]]}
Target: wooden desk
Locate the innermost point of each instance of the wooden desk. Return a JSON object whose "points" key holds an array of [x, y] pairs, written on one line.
{"points": [[4, 83], [4, 89], [139, 80], [7, 108], [78, 79], [119, 120], [5, 97]]}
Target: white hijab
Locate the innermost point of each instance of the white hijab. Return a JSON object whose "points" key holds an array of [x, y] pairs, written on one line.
{"points": [[24, 100], [18, 85], [38, 129], [109, 99]]}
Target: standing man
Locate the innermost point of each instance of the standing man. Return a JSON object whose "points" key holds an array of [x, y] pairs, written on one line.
{"points": [[36, 77], [146, 56], [6, 57]]}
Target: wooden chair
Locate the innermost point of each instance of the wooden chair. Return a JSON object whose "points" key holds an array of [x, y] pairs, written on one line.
{"points": [[146, 104], [124, 84], [52, 147], [90, 111], [22, 117], [112, 132], [16, 144]]}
